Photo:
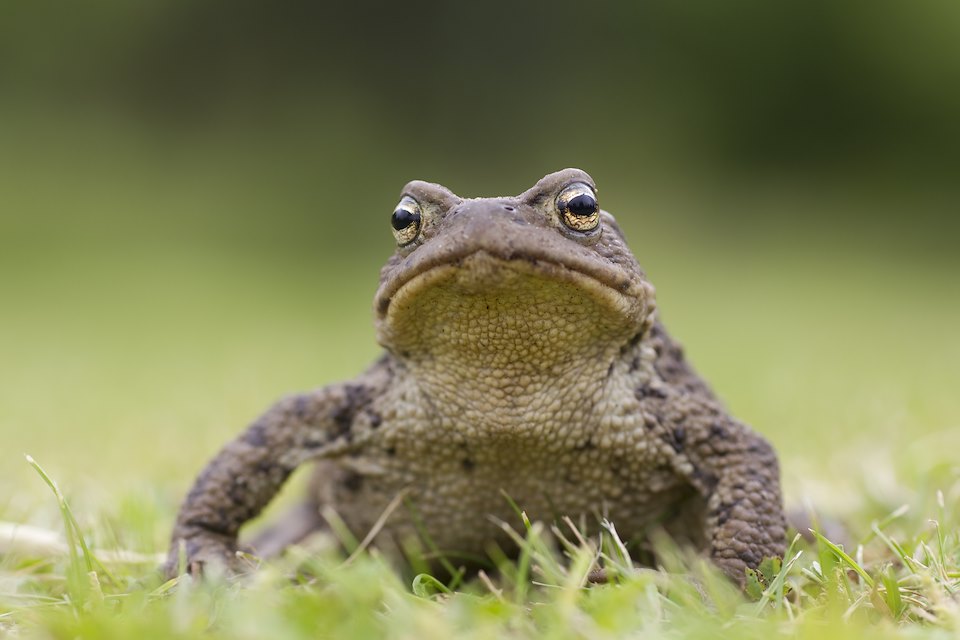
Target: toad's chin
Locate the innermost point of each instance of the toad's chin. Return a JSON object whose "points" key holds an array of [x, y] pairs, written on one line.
{"points": [[498, 310]]}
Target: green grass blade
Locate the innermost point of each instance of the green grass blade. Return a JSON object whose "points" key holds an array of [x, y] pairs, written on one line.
{"points": [[842, 556]]}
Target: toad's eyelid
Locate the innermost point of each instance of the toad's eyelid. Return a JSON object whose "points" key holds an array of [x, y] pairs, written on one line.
{"points": [[582, 187], [407, 202]]}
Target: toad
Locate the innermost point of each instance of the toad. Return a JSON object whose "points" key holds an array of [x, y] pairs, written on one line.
{"points": [[524, 362]]}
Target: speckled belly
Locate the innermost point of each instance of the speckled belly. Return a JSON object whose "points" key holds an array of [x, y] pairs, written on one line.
{"points": [[459, 495]]}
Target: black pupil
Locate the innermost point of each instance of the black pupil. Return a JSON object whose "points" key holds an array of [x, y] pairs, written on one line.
{"points": [[582, 206], [403, 218]]}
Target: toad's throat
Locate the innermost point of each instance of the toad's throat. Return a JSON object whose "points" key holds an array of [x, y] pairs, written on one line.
{"points": [[510, 320]]}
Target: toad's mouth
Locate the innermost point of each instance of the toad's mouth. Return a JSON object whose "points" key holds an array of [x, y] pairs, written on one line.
{"points": [[508, 303], [417, 267]]}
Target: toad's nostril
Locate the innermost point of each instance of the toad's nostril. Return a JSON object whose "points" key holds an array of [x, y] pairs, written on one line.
{"points": [[507, 208]]}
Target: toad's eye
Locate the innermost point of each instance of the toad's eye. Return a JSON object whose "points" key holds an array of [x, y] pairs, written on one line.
{"points": [[406, 221], [578, 207]]}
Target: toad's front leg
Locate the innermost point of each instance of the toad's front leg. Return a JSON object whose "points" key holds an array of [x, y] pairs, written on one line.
{"points": [[736, 472], [247, 473]]}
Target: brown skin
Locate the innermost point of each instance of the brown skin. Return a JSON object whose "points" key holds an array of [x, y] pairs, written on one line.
{"points": [[523, 356]]}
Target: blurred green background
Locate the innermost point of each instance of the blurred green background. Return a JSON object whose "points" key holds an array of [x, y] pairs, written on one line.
{"points": [[195, 201]]}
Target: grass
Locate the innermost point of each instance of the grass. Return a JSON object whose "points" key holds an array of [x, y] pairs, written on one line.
{"points": [[901, 579]]}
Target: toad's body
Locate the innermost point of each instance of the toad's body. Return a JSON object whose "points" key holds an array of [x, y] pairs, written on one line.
{"points": [[523, 357]]}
